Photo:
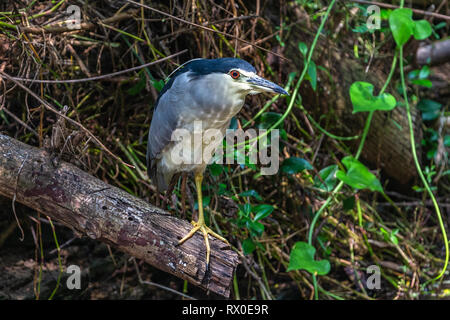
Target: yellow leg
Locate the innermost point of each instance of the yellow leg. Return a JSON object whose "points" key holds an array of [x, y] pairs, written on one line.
{"points": [[200, 224]]}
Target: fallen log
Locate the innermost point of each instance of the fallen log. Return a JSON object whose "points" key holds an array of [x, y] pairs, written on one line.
{"points": [[434, 54], [103, 212]]}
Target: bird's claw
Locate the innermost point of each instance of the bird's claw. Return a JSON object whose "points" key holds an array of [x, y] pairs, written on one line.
{"points": [[205, 230]]}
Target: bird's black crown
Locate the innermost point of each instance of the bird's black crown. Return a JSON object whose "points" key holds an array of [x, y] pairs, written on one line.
{"points": [[222, 65], [201, 67]]}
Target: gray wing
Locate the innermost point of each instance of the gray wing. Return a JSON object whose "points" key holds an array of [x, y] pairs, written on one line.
{"points": [[164, 122]]}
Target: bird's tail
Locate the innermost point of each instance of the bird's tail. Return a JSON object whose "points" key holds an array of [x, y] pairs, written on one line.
{"points": [[160, 179]]}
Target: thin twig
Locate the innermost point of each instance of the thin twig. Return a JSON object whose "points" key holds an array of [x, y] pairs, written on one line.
{"points": [[159, 285], [391, 6], [52, 109], [207, 29], [14, 198], [12, 115], [103, 76], [83, 26]]}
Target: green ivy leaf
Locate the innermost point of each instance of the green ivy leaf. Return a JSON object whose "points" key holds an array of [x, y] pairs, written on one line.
{"points": [[295, 165], [158, 84], [328, 176], [402, 25], [268, 119], [216, 169], [447, 141], [361, 29], [244, 210], [361, 95], [358, 176], [255, 228], [302, 257], [251, 193], [303, 47], [248, 246], [312, 72], [262, 211], [390, 236], [430, 109], [424, 72], [422, 29], [138, 87], [422, 82]]}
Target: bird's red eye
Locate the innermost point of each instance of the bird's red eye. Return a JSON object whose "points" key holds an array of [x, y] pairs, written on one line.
{"points": [[234, 74]]}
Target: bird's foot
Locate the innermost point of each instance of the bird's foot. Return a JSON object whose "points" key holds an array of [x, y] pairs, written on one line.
{"points": [[203, 228]]}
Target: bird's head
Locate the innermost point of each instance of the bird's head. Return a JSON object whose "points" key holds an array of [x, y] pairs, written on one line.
{"points": [[234, 73]]}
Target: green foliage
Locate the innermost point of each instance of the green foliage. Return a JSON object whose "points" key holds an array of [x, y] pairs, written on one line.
{"points": [[248, 246], [303, 47], [312, 68], [403, 26], [328, 175], [390, 236], [400, 22], [215, 169], [139, 86], [302, 257], [262, 211], [430, 109], [430, 142], [358, 176], [295, 165], [246, 221], [268, 119], [251, 193], [312, 75], [349, 203], [422, 29], [361, 95], [419, 77]]}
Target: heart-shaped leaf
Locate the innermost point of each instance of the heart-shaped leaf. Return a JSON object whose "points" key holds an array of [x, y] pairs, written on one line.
{"points": [[361, 95], [302, 257], [402, 25], [295, 165], [422, 29], [358, 176]]}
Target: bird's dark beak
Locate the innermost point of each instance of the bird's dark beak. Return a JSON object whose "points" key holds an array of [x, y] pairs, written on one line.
{"points": [[262, 84]]}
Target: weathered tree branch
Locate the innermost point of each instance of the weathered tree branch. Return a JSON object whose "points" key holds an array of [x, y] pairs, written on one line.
{"points": [[106, 213], [436, 53]]}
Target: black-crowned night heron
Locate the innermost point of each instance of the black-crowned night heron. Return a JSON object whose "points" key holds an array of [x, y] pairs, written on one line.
{"points": [[205, 91]]}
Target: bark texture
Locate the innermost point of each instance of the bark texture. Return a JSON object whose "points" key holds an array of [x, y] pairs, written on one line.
{"points": [[434, 54], [106, 213]]}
